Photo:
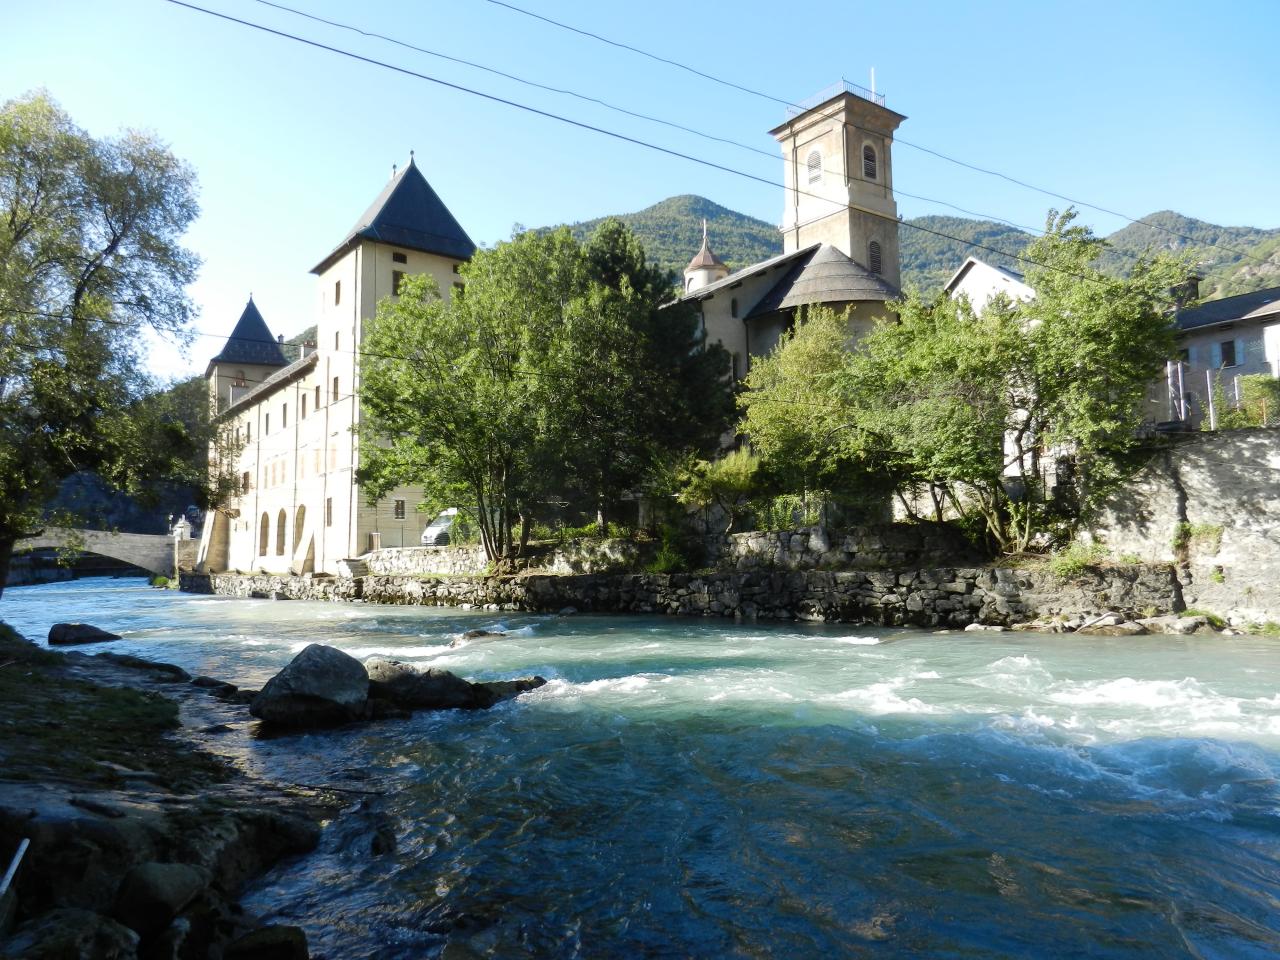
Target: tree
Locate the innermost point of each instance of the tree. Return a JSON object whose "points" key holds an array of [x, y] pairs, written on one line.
{"points": [[89, 258], [976, 406], [552, 373]]}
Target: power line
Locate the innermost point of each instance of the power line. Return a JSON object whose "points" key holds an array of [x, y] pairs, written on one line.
{"points": [[616, 135], [916, 146], [771, 155]]}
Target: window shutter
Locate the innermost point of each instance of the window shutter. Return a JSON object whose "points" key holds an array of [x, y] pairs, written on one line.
{"points": [[1215, 355], [1240, 354]]}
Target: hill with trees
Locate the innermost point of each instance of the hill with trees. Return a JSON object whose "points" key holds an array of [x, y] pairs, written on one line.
{"points": [[1233, 259]]}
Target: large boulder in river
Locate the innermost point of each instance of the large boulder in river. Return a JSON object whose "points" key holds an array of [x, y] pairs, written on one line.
{"points": [[152, 894], [495, 691], [415, 689], [61, 634], [320, 686]]}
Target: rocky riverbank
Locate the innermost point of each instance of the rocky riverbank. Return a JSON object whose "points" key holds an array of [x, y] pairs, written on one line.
{"points": [[142, 831]]}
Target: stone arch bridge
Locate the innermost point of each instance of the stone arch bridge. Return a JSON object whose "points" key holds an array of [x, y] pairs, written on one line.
{"points": [[151, 552]]}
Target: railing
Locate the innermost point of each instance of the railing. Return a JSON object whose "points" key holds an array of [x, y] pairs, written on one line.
{"points": [[822, 96]]}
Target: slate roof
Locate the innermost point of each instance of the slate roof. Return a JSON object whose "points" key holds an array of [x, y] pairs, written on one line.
{"points": [[277, 380], [755, 270], [407, 213], [827, 275], [251, 342], [1244, 306]]}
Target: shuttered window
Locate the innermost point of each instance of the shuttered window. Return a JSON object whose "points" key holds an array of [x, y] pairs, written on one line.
{"points": [[873, 256], [815, 166], [869, 162]]}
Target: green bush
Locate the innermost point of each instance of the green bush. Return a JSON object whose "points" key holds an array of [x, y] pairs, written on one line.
{"points": [[160, 580], [1073, 559]]}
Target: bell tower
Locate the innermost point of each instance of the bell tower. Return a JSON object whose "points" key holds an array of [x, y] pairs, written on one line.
{"points": [[836, 153]]}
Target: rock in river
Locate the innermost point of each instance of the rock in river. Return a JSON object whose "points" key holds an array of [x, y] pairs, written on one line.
{"points": [[320, 686], [61, 634], [407, 686]]}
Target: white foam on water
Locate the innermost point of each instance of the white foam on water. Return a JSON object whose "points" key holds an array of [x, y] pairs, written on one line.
{"points": [[882, 698], [858, 641]]}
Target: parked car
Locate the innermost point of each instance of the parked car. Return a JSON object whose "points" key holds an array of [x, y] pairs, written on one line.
{"points": [[437, 532]]}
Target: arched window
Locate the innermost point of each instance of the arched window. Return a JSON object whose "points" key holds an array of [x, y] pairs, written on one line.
{"points": [[298, 519], [815, 167], [873, 256], [281, 520], [264, 535], [869, 162]]}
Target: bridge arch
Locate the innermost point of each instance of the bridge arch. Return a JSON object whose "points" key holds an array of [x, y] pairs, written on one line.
{"points": [[151, 552]]}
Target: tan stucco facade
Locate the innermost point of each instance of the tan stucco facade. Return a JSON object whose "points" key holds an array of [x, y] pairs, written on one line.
{"points": [[299, 509]]}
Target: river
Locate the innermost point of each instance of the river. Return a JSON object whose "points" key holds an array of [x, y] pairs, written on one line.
{"points": [[699, 788]]}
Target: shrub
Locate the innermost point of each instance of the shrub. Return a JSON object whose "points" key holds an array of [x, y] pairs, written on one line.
{"points": [[159, 580], [1073, 559]]}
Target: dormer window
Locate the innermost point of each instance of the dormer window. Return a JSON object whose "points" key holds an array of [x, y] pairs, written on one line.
{"points": [[874, 260], [869, 162], [815, 167]]}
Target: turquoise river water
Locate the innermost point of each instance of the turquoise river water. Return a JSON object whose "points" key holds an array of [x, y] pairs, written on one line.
{"points": [[699, 788]]}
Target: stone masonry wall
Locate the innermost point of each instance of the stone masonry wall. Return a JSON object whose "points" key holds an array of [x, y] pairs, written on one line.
{"points": [[1211, 503], [407, 561], [942, 596], [874, 546]]}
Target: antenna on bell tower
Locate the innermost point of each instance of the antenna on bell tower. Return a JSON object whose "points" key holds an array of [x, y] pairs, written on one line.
{"points": [[873, 83]]}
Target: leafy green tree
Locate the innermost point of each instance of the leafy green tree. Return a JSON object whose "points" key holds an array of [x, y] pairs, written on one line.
{"points": [[89, 258], [554, 373], [979, 407]]}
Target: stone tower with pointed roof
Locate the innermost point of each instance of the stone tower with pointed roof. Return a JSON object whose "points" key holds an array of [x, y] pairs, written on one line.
{"points": [[299, 508], [250, 355]]}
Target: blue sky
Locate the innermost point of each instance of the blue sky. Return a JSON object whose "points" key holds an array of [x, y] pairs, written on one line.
{"points": [[1134, 106]]}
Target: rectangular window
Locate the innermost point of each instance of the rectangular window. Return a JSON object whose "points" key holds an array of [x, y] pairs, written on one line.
{"points": [[458, 286], [284, 415], [244, 482], [397, 278], [337, 292], [333, 398], [248, 432], [399, 509], [335, 339], [317, 396], [302, 413], [315, 460], [1228, 353], [399, 258], [328, 511], [455, 268], [266, 423]]}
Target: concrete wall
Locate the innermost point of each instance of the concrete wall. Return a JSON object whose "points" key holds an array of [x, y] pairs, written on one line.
{"points": [[1210, 502]]}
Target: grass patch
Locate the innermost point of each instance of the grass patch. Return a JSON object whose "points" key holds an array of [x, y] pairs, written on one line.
{"points": [[1075, 558], [55, 727], [1215, 621]]}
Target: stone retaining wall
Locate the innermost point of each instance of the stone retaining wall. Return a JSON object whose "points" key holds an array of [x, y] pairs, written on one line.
{"points": [[887, 546], [942, 596], [407, 561], [1211, 503]]}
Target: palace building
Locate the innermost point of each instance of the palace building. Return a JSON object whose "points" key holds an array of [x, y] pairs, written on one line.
{"points": [[298, 508]]}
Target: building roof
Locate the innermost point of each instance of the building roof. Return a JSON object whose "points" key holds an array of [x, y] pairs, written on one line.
{"points": [[277, 380], [704, 258], [755, 270], [1244, 306], [971, 262], [251, 342], [827, 275], [407, 213]]}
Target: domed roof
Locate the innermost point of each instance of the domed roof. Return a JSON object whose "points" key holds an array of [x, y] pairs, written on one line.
{"points": [[827, 276], [704, 258]]}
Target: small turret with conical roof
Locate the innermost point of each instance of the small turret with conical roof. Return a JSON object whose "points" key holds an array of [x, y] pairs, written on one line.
{"points": [[705, 268], [250, 355]]}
